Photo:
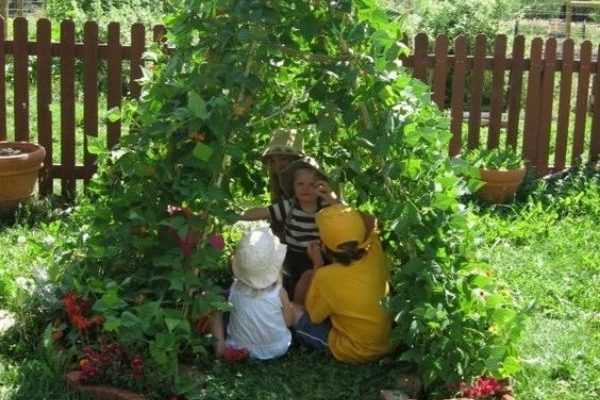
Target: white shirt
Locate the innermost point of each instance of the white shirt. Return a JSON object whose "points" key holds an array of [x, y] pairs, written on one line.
{"points": [[256, 322]]}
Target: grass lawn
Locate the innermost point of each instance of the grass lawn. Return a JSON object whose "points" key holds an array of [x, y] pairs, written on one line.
{"points": [[546, 248]]}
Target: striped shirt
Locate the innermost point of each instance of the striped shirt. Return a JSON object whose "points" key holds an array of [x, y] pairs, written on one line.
{"points": [[300, 226]]}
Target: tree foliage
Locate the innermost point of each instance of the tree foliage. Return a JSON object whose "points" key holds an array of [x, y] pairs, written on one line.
{"points": [[239, 70]]}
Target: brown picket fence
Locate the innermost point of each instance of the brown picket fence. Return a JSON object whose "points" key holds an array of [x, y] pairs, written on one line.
{"points": [[456, 77], [544, 75]]}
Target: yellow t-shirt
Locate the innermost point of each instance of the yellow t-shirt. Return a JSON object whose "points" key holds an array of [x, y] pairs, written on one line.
{"points": [[351, 297]]}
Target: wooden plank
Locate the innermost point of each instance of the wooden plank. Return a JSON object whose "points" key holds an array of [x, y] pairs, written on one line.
{"points": [[583, 84], [440, 71], [564, 105], [67, 110], [514, 94], [3, 133], [44, 99], [497, 91], [114, 81], [476, 92], [458, 95], [595, 139], [138, 44], [420, 57], [21, 79], [532, 108], [90, 89], [543, 134]]}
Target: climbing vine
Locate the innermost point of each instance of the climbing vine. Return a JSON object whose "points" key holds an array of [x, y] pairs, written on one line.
{"points": [[148, 257]]}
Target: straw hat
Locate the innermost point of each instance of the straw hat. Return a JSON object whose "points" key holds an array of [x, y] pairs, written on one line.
{"points": [[339, 224], [287, 176], [285, 142], [258, 260]]}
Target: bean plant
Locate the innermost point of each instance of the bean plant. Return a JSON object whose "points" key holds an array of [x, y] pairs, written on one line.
{"points": [[146, 255]]}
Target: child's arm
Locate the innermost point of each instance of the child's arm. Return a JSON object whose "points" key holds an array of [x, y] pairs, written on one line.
{"points": [[291, 314], [255, 214]]}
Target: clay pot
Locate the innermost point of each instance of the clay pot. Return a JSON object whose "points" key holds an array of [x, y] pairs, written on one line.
{"points": [[18, 172], [100, 392], [500, 186]]}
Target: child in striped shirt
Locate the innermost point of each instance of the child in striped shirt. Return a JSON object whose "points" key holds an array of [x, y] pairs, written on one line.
{"points": [[308, 191]]}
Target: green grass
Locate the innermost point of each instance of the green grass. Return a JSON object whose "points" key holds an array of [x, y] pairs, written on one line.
{"points": [[549, 253], [546, 248]]}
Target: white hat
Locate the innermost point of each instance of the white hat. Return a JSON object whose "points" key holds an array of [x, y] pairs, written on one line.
{"points": [[258, 259]]}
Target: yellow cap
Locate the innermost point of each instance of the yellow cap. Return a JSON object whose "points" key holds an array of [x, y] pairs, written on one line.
{"points": [[340, 224]]}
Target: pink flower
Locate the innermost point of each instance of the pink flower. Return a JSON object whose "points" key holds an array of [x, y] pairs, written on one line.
{"points": [[217, 241]]}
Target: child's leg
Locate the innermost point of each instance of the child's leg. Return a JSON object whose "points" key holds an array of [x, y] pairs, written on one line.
{"points": [[218, 331]]}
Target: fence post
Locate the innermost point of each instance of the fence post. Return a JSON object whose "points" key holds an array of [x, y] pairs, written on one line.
{"points": [[532, 111], [21, 68], [440, 71], [476, 91], [564, 105], [458, 95], [113, 97], [44, 98], [90, 92], [514, 96], [420, 57], [585, 58], [545, 122], [67, 109], [2, 82]]}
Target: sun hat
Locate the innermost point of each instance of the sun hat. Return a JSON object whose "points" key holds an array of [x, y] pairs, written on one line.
{"points": [[285, 142], [287, 176], [258, 259], [339, 224]]}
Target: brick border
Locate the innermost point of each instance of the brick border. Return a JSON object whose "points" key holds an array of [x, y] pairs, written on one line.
{"points": [[100, 392]]}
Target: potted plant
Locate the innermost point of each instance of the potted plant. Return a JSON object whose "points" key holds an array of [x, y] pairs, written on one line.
{"points": [[501, 172], [19, 166]]}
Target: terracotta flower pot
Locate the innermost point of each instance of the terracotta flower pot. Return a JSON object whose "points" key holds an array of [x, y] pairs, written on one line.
{"points": [[100, 392], [500, 186], [19, 166]]}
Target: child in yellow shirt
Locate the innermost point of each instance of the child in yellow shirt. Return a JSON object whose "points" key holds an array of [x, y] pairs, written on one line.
{"points": [[343, 300]]}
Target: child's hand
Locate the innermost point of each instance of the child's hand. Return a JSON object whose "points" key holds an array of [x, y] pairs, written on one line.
{"points": [[324, 191], [314, 253]]}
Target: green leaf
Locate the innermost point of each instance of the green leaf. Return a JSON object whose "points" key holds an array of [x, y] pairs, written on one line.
{"points": [[111, 324], [96, 145], [203, 152], [113, 115], [197, 105], [172, 323]]}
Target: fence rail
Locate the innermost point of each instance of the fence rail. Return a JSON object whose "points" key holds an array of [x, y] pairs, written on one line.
{"points": [[522, 111]]}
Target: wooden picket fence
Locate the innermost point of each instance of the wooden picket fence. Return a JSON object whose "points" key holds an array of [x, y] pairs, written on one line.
{"points": [[90, 54], [447, 69], [540, 70]]}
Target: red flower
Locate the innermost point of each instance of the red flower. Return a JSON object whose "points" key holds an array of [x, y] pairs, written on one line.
{"points": [[137, 366], [217, 241], [482, 388], [76, 309]]}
